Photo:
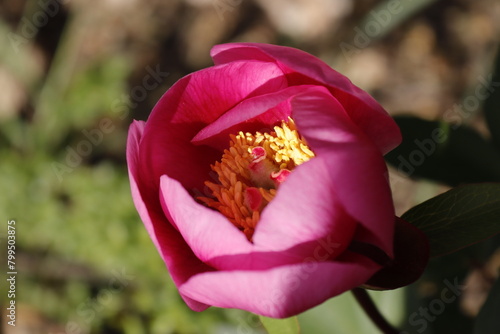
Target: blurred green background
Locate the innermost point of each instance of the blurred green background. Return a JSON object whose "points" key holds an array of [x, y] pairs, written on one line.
{"points": [[72, 78]]}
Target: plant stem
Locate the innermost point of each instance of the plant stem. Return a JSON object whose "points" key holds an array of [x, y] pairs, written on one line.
{"points": [[372, 311]]}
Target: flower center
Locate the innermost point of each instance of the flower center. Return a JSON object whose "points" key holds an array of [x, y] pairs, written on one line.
{"points": [[251, 170]]}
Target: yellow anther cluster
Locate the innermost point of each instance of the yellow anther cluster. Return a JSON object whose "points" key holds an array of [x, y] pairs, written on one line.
{"points": [[284, 148]]}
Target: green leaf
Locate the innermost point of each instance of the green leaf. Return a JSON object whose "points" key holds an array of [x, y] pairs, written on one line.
{"points": [[447, 153], [458, 218], [281, 326], [488, 321]]}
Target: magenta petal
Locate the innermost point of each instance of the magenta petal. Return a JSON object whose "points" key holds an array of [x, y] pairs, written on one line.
{"points": [[282, 291], [180, 261], [302, 68], [357, 170], [305, 216], [259, 109], [211, 235], [188, 106]]}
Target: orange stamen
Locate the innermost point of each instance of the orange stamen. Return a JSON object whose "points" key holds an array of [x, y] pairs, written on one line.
{"points": [[250, 171]]}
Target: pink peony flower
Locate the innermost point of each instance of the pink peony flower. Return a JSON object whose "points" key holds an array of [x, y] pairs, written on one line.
{"points": [[253, 178]]}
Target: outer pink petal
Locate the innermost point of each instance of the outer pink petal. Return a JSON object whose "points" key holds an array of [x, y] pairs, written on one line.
{"points": [[306, 216], [303, 68], [211, 236], [193, 102], [356, 168], [283, 291], [180, 260]]}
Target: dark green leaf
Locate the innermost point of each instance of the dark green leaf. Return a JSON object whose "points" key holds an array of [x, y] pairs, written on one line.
{"points": [[488, 321], [448, 153], [458, 218], [281, 326]]}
